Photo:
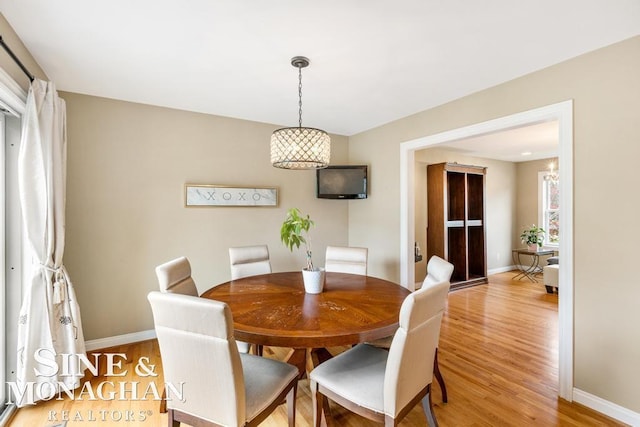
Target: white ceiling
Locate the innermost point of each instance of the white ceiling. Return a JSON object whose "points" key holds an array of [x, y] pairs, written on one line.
{"points": [[372, 61], [533, 142]]}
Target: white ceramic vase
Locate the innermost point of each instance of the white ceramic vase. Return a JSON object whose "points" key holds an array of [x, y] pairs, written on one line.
{"points": [[313, 280]]}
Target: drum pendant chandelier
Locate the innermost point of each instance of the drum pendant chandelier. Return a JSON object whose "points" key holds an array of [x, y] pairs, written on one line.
{"points": [[300, 147]]}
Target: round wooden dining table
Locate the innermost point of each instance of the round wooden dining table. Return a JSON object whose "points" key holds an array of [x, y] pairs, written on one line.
{"points": [[274, 310]]}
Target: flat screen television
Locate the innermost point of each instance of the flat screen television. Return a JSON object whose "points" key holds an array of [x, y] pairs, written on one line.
{"points": [[342, 182]]}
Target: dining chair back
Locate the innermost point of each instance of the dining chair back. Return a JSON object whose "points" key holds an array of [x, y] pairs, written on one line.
{"points": [[384, 385], [200, 359], [175, 277], [438, 270], [343, 259], [249, 261]]}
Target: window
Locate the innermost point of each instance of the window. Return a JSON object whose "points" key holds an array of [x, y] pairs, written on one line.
{"points": [[12, 255], [549, 205]]}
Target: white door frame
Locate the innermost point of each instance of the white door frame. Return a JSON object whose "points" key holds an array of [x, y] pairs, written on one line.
{"points": [[563, 113], [12, 100]]}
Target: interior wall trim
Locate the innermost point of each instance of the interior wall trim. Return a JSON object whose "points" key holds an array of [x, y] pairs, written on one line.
{"points": [[500, 270], [117, 340], [610, 409]]}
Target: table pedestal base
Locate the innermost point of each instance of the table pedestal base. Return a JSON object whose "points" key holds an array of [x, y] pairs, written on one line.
{"points": [[305, 359]]}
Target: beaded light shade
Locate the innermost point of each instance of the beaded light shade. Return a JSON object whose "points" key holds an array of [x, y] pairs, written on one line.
{"points": [[300, 147]]}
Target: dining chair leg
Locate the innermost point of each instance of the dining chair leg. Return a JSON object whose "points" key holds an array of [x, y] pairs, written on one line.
{"points": [[390, 421], [315, 404], [428, 409], [163, 401], [438, 375], [318, 356], [171, 422], [291, 406]]}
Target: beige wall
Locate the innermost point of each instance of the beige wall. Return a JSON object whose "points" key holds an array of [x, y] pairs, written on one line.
{"points": [[8, 65], [500, 204], [605, 87], [127, 166]]}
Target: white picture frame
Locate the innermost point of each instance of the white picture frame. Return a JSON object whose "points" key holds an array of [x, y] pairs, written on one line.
{"points": [[211, 195]]}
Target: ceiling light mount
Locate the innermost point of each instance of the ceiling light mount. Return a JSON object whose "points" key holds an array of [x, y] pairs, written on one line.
{"points": [[300, 61], [300, 147]]}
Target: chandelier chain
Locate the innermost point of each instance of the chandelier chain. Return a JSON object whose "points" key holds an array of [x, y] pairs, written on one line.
{"points": [[299, 96]]}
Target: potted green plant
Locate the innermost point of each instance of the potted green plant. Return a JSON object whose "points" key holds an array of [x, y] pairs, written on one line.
{"points": [[533, 237], [293, 233]]}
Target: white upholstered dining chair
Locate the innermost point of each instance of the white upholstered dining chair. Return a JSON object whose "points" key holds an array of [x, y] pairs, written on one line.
{"points": [[221, 385], [384, 385], [344, 259], [175, 277], [438, 270], [249, 261]]}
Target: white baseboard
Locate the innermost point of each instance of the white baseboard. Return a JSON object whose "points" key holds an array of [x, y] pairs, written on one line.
{"points": [[120, 340], [605, 407], [501, 270]]}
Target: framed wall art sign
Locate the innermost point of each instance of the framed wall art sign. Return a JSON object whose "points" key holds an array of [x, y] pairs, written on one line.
{"points": [[223, 195]]}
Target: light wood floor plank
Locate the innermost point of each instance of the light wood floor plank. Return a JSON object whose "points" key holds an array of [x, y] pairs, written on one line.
{"points": [[498, 353]]}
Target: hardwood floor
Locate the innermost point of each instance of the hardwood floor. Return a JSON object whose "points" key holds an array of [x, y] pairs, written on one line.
{"points": [[498, 354]]}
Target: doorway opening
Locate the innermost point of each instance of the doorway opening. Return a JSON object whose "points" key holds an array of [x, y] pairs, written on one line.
{"points": [[563, 113]]}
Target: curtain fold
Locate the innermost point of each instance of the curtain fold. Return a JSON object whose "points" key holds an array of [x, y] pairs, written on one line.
{"points": [[49, 323]]}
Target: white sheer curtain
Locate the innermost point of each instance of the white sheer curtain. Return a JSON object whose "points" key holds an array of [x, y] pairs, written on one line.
{"points": [[49, 317]]}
